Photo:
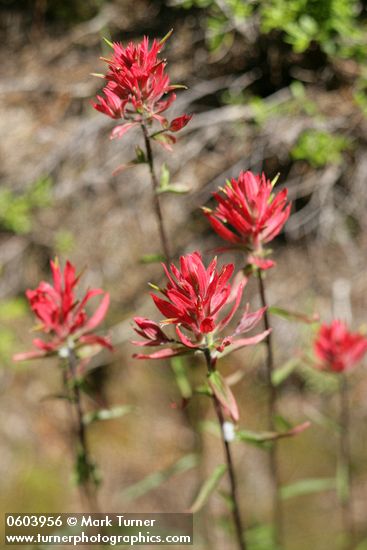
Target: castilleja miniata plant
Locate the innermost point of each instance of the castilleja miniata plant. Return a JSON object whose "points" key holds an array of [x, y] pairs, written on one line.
{"points": [[338, 350], [138, 91], [249, 214], [193, 302], [67, 332]]}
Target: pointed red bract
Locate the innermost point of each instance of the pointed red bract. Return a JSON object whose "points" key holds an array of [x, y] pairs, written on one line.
{"points": [[193, 301], [63, 318], [337, 348], [137, 88], [248, 214]]}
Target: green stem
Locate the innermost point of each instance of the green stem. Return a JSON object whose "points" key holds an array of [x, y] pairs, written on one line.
{"points": [[230, 467], [156, 199], [83, 460], [345, 461], [272, 410]]}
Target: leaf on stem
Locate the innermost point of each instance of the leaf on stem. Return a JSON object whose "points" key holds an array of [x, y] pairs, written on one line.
{"points": [[294, 315], [182, 380], [107, 414], [259, 438], [208, 488], [280, 374], [156, 479], [224, 394], [308, 487]]}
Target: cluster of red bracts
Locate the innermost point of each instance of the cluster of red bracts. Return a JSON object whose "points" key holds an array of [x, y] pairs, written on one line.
{"points": [[62, 318], [136, 88], [249, 214], [194, 299], [337, 348]]}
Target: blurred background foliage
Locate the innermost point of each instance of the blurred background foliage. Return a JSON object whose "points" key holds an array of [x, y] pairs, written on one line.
{"points": [[274, 85]]}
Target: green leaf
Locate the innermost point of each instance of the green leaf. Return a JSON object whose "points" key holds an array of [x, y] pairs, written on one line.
{"points": [[107, 414], [177, 188], [264, 438], [280, 374], [208, 488], [293, 315], [308, 487], [152, 259], [156, 479], [165, 178], [183, 383], [140, 156], [342, 482], [211, 428], [223, 393]]}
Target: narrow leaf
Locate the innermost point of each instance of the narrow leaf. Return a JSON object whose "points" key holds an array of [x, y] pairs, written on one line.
{"points": [[156, 479], [207, 488], [224, 394], [152, 259], [307, 487], [107, 414], [293, 315], [165, 178], [280, 374], [183, 383]]}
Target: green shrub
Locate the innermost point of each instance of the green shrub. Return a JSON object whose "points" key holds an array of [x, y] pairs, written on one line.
{"points": [[319, 148]]}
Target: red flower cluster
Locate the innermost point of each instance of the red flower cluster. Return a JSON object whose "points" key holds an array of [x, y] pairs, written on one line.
{"points": [[194, 298], [249, 214], [339, 349], [136, 84], [62, 317]]}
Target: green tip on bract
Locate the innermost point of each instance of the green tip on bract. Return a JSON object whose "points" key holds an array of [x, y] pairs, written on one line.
{"points": [[154, 287], [275, 180], [166, 37], [178, 87], [108, 42], [206, 210], [98, 75]]}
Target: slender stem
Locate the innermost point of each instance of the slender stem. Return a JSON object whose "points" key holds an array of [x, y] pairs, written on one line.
{"points": [[230, 467], [345, 460], [155, 185], [82, 456], [272, 410]]}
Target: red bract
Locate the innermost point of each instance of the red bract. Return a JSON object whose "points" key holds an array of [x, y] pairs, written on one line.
{"points": [[248, 213], [193, 300], [62, 317], [338, 348], [136, 86]]}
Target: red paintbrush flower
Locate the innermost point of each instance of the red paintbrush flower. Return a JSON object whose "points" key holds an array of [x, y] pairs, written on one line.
{"points": [[193, 300], [136, 87], [62, 317], [249, 214], [338, 348]]}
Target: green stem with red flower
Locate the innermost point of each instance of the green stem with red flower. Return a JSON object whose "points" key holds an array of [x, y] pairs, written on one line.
{"points": [[238, 522], [272, 411]]}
